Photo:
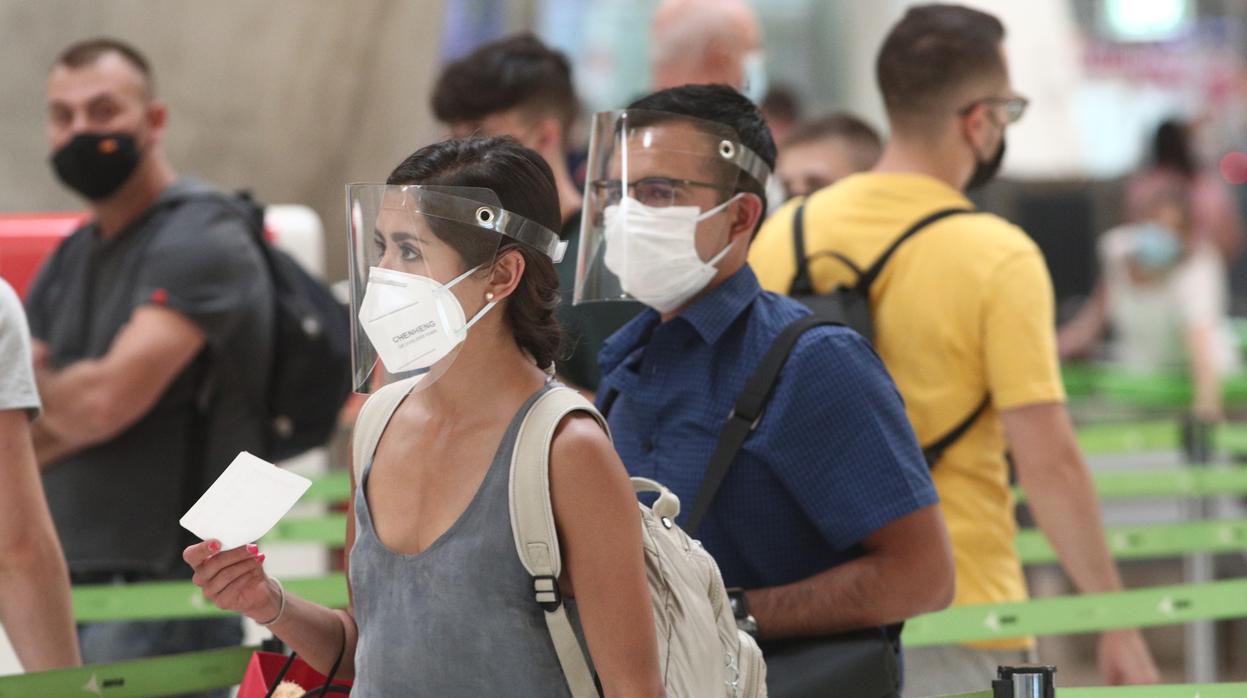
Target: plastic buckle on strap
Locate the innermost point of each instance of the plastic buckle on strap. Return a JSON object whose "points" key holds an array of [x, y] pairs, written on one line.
{"points": [[753, 426], [546, 592]]}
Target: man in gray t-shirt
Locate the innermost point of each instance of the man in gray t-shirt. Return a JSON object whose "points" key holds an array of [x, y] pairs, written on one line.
{"points": [[153, 331]]}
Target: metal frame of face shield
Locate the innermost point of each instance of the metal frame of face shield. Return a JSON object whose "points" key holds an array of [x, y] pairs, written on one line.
{"points": [[616, 137], [447, 203], [729, 147]]}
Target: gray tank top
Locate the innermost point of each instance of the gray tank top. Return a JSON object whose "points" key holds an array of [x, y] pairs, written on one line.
{"points": [[459, 618]]}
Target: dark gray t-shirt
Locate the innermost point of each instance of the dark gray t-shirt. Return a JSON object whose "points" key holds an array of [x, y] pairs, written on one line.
{"points": [[117, 505]]}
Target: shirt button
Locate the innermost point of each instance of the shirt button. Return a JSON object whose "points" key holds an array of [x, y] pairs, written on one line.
{"points": [[647, 446]]}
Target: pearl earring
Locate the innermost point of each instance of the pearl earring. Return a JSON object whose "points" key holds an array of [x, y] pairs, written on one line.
{"points": [[489, 295]]}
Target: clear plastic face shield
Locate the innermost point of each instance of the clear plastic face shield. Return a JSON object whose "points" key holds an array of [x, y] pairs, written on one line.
{"points": [[420, 262], [656, 183]]}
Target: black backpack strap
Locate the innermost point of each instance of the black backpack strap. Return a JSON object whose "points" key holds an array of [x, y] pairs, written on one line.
{"points": [[935, 451], [868, 277], [801, 284], [746, 414]]}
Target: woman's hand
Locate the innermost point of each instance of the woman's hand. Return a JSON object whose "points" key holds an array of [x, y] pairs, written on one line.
{"points": [[234, 580]]}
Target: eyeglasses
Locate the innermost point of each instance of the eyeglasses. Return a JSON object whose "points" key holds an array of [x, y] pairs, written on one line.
{"points": [[659, 192], [1014, 107]]}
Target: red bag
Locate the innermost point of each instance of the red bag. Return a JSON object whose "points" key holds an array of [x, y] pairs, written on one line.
{"points": [[265, 671]]}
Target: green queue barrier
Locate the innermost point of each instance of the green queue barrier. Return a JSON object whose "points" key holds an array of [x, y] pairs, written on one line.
{"points": [[1212, 690], [1125, 542], [138, 678], [1161, 390], [1049, 616], [1168, 483], [1151, 435], [1086, 613], [1188, 481], [168, 600], [1140, 542]]}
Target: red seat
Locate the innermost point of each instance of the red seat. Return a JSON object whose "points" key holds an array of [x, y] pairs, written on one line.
{"points": [[26, 239]]}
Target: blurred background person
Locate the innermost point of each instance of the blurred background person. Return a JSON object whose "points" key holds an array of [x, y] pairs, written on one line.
{"points": [[35, 608], [702, 42], [822, 151], [153, 328], [1212, 215], [519, 87], [1164, 290], [781, 107]]}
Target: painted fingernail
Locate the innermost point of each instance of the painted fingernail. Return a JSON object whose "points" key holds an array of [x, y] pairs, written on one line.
{"points": [[260, 557], [253, 548], [214, 546]]}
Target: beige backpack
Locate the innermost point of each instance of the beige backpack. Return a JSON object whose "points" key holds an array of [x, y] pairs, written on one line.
{"points": [[701, 651]]}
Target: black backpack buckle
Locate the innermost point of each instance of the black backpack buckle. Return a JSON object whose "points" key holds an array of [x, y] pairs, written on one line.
{"points": [[546, 592]]}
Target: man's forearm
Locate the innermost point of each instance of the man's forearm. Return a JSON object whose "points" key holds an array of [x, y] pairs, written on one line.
{"points": [[1063, 499], [834, 601], [49, 446]]}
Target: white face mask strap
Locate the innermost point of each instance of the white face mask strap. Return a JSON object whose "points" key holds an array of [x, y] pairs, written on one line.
{"points": [[714, 261], [479, 314], [464, 275], [717, 209]]}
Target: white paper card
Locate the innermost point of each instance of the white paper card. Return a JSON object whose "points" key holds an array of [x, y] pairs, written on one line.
{"points": [[244, 503]]}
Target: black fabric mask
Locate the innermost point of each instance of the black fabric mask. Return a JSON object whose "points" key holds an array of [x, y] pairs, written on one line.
{"points": [[96, 164], [985, 171]]}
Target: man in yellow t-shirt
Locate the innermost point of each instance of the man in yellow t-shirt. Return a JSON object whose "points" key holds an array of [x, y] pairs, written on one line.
{"points": [[963, 311]]}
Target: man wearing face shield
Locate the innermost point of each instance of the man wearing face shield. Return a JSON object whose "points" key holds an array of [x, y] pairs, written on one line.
{"points": [[152, 328], [826, 520], [963, 319]]}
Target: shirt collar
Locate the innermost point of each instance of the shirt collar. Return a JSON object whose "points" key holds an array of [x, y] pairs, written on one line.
{"points": [[710, 317], [714, 312]]}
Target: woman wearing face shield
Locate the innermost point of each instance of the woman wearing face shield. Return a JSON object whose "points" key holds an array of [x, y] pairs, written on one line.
{"points": [[455, 291]]}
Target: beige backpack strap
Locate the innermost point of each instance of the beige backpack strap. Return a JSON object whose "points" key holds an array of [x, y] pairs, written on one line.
{"points": [[372, 419], [532, 522]]}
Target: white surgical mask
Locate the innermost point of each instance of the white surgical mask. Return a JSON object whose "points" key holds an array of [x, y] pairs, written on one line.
{"points": [[413, 321], [653, 251]]}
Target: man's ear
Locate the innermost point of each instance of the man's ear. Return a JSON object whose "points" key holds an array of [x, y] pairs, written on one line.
{"points": [[747, 211], [157, 118], [976, 128], [548, 134]]}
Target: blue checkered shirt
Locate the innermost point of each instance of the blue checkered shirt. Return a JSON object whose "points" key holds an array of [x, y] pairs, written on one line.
{"points": [[832, 460]]}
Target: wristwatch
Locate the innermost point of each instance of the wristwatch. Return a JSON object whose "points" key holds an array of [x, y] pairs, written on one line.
{"points": [[740, 610]]}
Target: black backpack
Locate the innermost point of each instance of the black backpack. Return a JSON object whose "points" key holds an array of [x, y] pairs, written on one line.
{"points": [[850, 305], [310, 378]]}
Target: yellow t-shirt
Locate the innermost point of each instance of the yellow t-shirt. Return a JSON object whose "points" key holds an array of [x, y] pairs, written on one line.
{"points": [[962, 309]]}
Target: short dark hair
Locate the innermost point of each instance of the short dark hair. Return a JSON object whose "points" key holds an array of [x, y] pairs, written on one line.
{"points": [[83, 53], [865, 141], [933, 52], [516, 72], [724, 105], [524, 185], [781, 101], [1171, 147]]}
